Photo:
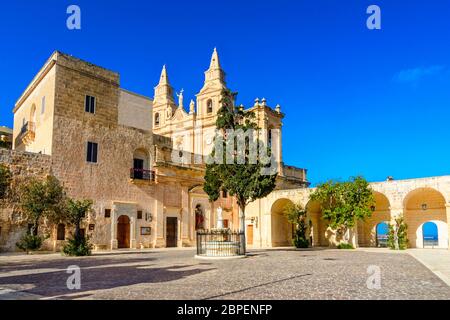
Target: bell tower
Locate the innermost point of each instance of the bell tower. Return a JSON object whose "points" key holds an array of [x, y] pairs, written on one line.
{"points": [[208, 99], [163, 104]]}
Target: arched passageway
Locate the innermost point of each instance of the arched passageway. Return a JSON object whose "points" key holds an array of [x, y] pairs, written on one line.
{"points": [[367, 229], [318, 225], [281, 228], [382, 232], [422, 206]]}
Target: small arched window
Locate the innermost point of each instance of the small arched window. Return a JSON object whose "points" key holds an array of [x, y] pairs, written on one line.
{"points": [[157, 119], [209, 106]]}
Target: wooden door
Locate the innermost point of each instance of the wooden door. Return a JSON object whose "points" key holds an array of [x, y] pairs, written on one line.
{"points": [[171, 232], [123, 232], [250, 234]]}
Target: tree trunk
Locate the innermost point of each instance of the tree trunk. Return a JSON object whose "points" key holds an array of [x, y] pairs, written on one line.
{"points": [[242, 226]]}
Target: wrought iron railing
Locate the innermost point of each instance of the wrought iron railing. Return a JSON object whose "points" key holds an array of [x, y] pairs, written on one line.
{"points": [[27, 127], [142, 174], [220, 243]]}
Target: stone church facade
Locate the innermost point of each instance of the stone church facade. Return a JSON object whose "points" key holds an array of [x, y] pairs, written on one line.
{"points": [[137, 158]]}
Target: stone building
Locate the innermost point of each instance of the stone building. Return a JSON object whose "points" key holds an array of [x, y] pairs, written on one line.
{"points": [[129, 153], [140, 161]]}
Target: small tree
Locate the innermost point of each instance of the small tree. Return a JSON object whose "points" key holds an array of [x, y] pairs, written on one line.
{"points": [[296, 214], [398, 235], [242, 178], [344, 203], [40, 199], [78, 245]]}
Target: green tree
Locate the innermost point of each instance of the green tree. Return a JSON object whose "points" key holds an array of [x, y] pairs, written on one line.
{"points": [[241, 178], [297, 215], [398, 235], [42, 199], [76, 213], [344, 203]]}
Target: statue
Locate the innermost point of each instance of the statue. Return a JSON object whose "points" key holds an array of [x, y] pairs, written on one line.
{"points": [[180, 98], [192, 107], [219, 218]]}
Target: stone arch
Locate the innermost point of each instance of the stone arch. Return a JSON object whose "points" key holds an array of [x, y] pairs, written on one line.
{"points": [[381, 233], [381, 212], [314, 213], [281, 229], [423, 205], [209, 106]]}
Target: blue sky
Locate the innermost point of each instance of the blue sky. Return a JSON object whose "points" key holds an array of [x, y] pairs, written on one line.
{"points": [[357, 101]]}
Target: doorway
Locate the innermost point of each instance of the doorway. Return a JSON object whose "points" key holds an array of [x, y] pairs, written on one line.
{"points": [[138, 166], [250, 234], [430, 235], [123, 232], [171, 232]]}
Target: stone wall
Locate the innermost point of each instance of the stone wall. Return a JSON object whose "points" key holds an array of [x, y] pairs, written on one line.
{"points": [[21, 164]]}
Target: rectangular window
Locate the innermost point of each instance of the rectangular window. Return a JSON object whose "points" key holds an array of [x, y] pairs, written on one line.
{"points": [[107, 213], [139, 215], [224, 194], [92, 151], [43, 105], [89, 104], [61, 232]]}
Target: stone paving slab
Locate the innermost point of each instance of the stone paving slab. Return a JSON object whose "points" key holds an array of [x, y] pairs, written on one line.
{"points": [[437, 260], [281, 273]]}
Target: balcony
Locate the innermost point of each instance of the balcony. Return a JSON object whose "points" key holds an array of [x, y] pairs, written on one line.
{"points": [[28, 133], [142, 175]]}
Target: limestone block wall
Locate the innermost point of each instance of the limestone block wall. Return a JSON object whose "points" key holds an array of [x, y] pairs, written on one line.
{"points": [[22, 165]]}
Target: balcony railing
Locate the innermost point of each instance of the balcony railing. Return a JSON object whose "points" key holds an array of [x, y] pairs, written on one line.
{"points": [[142, 174], [27, 132]]}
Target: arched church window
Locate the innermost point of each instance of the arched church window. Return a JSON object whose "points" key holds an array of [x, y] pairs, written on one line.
{"points": [[157, 119], [209, 106]]}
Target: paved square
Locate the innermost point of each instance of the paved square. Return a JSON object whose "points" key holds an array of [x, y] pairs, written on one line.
{"points": [[265, 274]]}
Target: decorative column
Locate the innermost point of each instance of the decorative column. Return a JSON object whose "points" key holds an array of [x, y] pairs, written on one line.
{"points": [[114, 242], [133, 233]]}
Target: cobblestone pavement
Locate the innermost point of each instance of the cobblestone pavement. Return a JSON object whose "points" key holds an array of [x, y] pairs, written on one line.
{"points": [[265, 274]]}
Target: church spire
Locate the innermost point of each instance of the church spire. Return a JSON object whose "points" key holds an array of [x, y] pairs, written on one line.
{"points": [[164, 79], [164, 91], [215, 63], [215, 75]]}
